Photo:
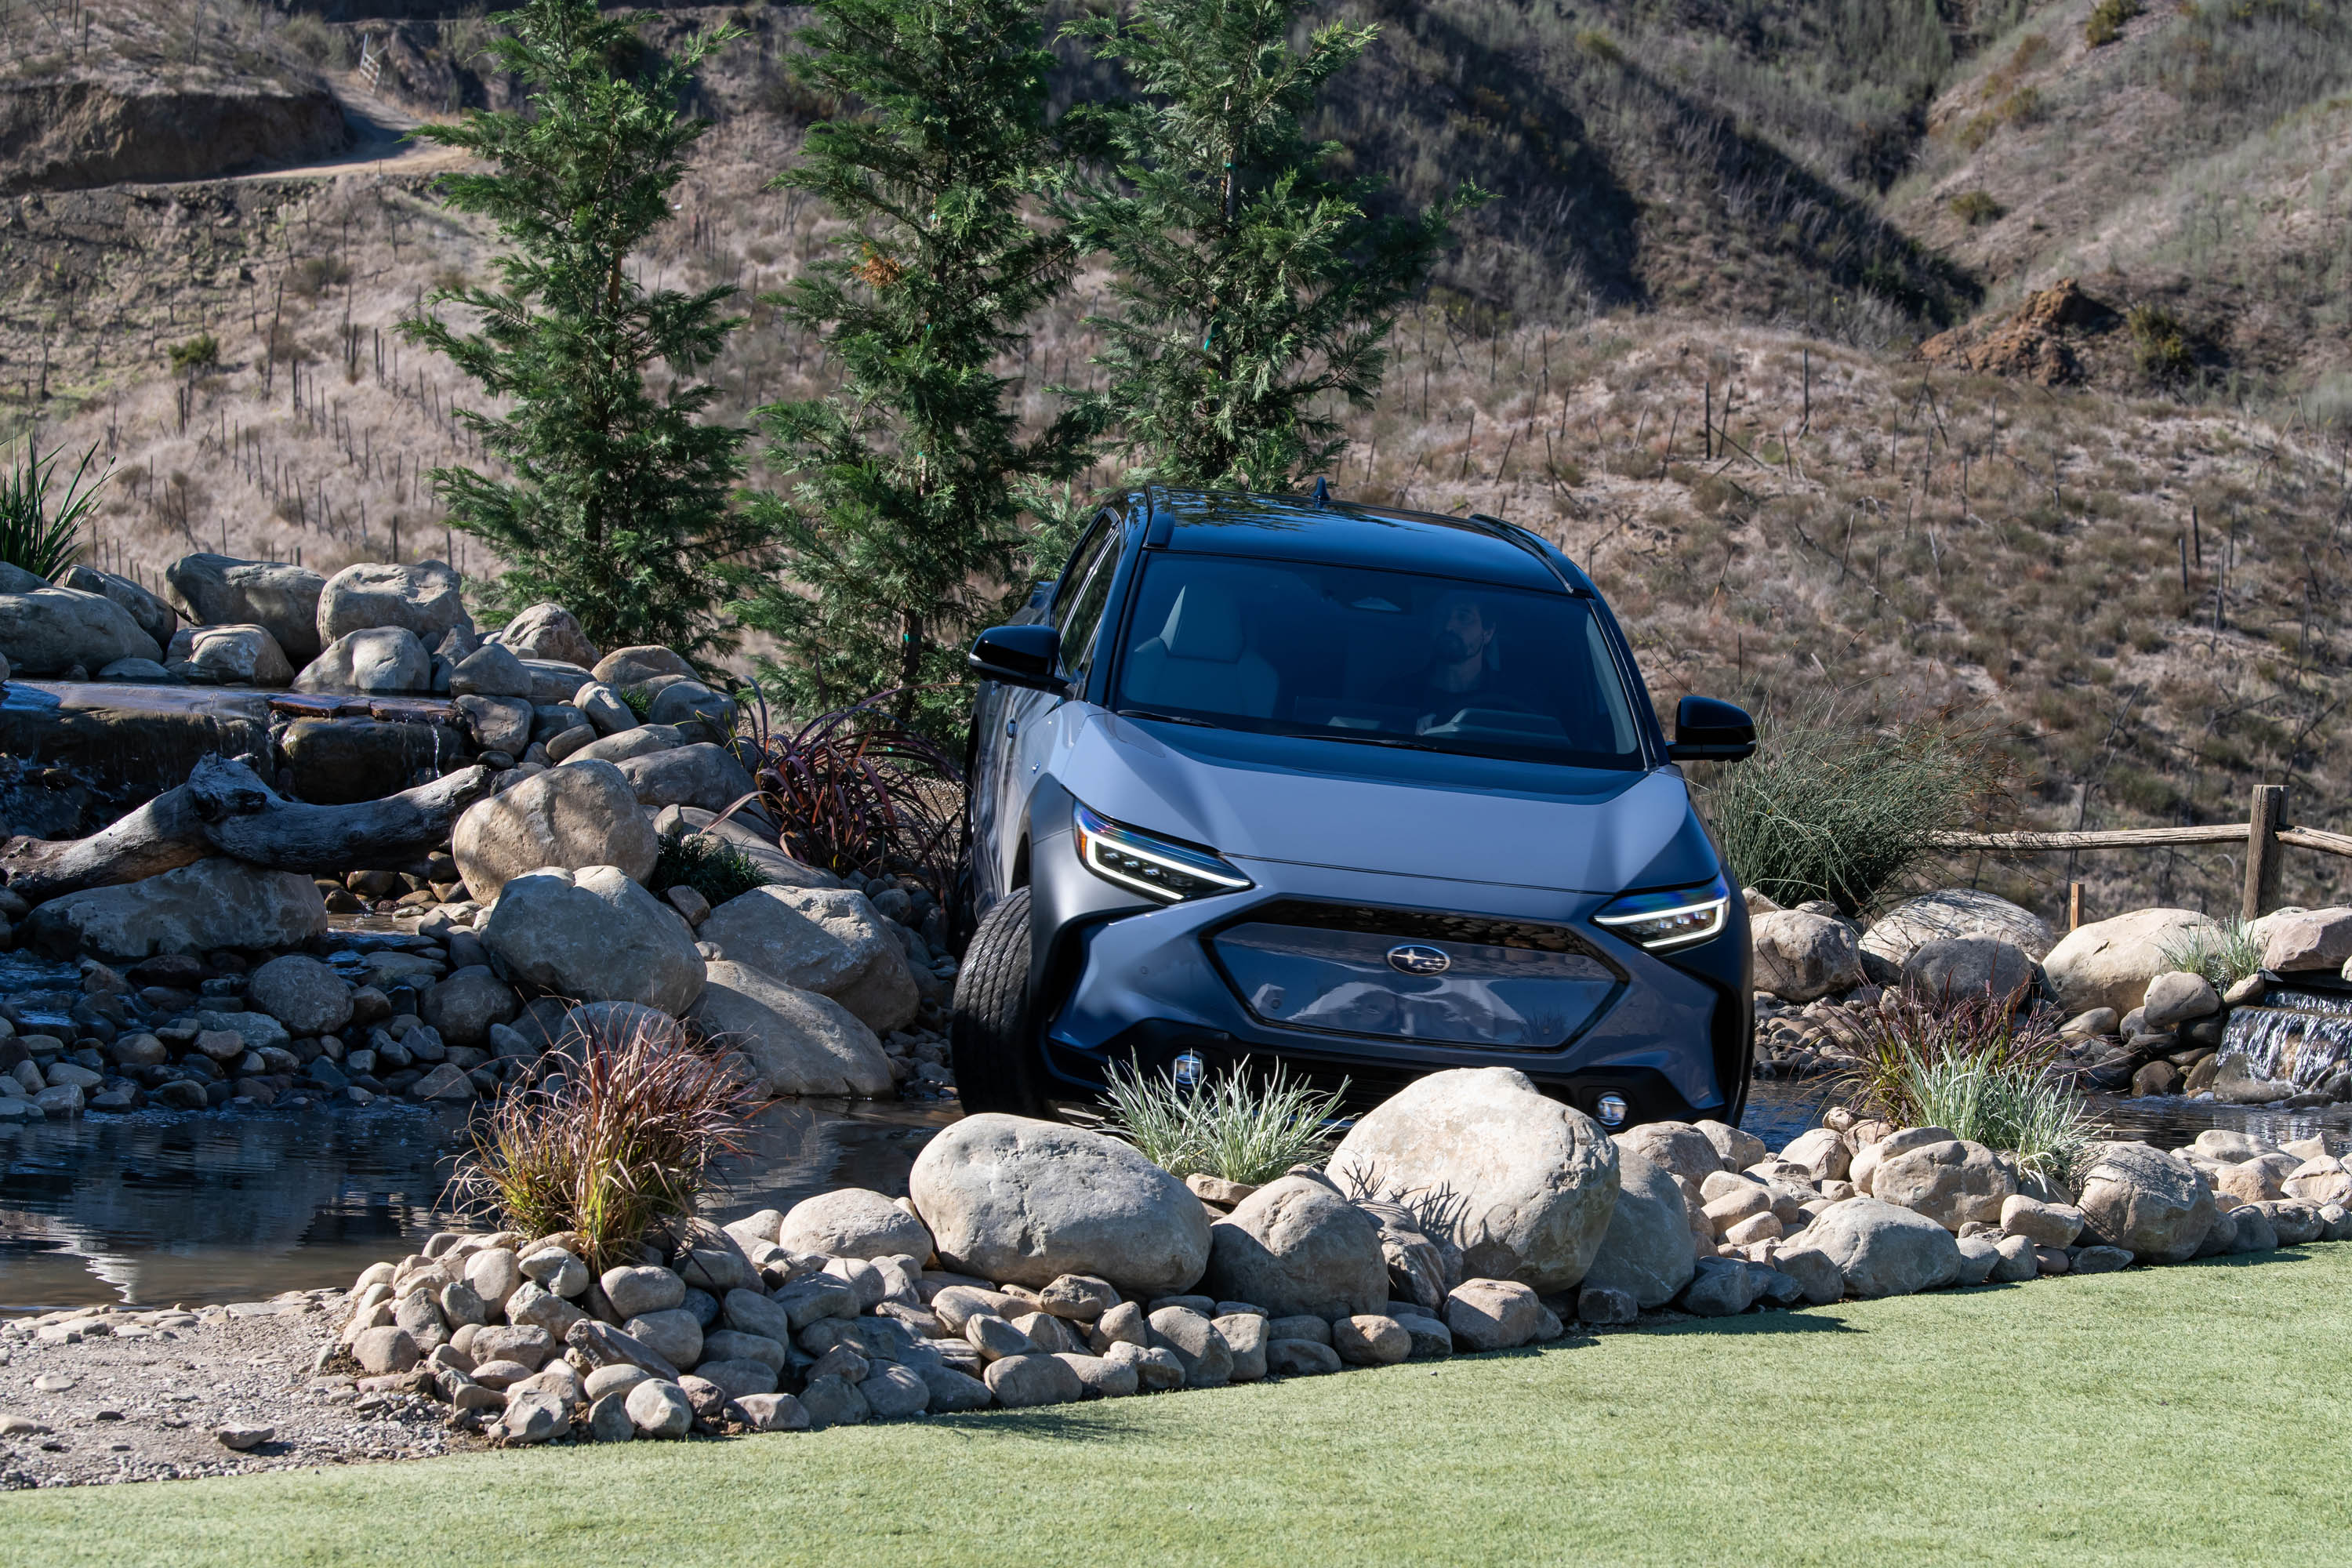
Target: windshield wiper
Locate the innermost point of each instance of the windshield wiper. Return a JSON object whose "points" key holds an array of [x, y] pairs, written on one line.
{"points": [[1162, 718], [1361, 738]]}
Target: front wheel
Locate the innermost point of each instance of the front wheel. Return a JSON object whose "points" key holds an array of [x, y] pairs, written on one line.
{"points": [[989, 1035]]}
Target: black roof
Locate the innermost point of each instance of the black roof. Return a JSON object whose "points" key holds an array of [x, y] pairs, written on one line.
{"points": [[1297, 528]]}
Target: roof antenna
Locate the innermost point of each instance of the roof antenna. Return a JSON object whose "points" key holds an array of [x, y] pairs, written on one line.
{"points": [[1322, 490]]}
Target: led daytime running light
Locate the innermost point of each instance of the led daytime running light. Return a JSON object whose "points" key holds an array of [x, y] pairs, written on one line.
{"points": [[1677, 925], [1153, 867]]}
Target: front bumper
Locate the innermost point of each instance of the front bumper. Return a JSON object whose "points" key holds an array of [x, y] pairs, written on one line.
{"points": [[1119, 980]]}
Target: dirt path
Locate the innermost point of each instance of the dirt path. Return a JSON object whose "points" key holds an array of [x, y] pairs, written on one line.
{"points": [[380, 140]]}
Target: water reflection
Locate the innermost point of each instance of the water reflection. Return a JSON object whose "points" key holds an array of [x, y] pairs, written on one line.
{"points": [[157, 1207]]}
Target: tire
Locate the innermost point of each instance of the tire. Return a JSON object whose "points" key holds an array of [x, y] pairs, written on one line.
{"points": [[989, 1034]]}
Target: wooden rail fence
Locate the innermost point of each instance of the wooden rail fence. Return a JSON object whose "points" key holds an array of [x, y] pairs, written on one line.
{"points": [[2264, 834]]}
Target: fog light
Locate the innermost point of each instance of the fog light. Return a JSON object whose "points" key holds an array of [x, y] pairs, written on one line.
{"points": [[1189, 1069], [1611, 1108]]}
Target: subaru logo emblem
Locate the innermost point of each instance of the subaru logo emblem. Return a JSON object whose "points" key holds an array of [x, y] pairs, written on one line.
{"points": [[1413, 958], [1189, 1069]]}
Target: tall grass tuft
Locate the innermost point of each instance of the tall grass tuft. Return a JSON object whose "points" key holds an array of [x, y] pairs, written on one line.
{"points": [[621, 1145], [2224, 953], [1832, 807], [32, 536], [1238, 1126], [710, 866], [1971, 1063]]}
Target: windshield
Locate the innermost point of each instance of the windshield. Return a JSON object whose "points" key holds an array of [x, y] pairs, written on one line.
{"points": [[1351, 653]]}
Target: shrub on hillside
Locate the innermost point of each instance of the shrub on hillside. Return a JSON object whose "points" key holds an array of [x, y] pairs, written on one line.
{"points": [[2106, 21], [1976, 208], [2159, 342]]}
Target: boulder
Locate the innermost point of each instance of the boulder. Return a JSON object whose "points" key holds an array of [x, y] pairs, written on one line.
{"points": [[2041, 1224], [47, 631], [1010, 1199], [423, 598], [1955, 912], [1421, 1268], [546, 631], [386, 660], [797, 1042], [2154, 1205], [1019, 1382], [242, 655], [2308, 941], [853, 1222], [1822, 1152], [880, 988], [1723, 1288], [596, 935], [1296, 1245], [1492, 1314], [1673, 1146], [568, 817], [1196, 1344], [642, 742], [490, 670], [2176, 998], [1802, 956], [1884, 1249], [1531, 1182], [214, 590], [302, 992], [466, 1004], [215, 903], [765, 930], [629, 667], [498, 723], [553, 681], [156, 617], [703, 774], [2108, 963], [693, 706], [1646, 1250], [1952, 1182], [1961, 966]]}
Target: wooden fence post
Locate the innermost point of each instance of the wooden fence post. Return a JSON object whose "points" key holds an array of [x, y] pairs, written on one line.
{"points": [[2265, 813], [2074, 906]]}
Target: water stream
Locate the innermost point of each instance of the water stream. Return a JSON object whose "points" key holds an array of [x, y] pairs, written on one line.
{"points": [[2301, 1033]]}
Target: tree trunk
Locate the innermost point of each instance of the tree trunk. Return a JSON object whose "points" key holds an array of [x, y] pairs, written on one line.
{"points": [[226, 809]]}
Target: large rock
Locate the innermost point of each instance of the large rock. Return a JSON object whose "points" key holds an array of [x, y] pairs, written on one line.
{"points": [[156, 617], [338, 762], [766, 930], [853, 1222], [702, 775], [244, 655], [1676, 1146], [567, 817], [2108, 963], [691, 704], [1010, 1199], [1296, 1246], [1884, 1249], [302, 992], [222, 589], [1955, 912], [215, 903], [880, 988], [554, 680], [1530, 1183], [798, 1042], [1962, 967], [1802, 956], [382, 660], [47, 631], [423, 598], [2308, 941], [1646, 1251], [498, 723], [1952, 1182], [2177, 998], [464, 1006], [547, 631], [631, 668], [2154, 1205], [596, 936], [490, 670]]}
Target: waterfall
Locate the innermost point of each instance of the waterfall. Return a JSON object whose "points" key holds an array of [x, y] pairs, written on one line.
{"points": [[2302, 1034]]}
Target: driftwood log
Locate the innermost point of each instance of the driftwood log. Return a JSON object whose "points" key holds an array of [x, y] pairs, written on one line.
{"points": [[226, 809]]}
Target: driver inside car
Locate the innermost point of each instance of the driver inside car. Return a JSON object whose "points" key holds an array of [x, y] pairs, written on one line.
{"points": [[1461, 668]]}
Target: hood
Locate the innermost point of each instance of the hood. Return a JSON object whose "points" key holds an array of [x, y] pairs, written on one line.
{"points": [[1369, 808]]}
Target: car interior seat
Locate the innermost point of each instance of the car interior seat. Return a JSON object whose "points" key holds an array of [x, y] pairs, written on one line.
{"points": [[1201, 661]]}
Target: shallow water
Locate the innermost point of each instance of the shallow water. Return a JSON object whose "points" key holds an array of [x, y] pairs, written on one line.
{"points": [[161, 1207]]}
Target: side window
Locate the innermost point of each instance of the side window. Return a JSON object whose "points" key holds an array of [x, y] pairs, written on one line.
{"points": [[1078, 613]]}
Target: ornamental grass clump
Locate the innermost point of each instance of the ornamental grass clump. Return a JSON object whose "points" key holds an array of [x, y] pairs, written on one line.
{"points": [[1976, 1064], [2224, 953], [618, 1144], [712, 866], [1237, 1126], [860, 793], [34, 536]]}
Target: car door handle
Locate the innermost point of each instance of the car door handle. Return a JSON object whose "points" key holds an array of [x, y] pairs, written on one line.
{"points": [[1012, 727]]}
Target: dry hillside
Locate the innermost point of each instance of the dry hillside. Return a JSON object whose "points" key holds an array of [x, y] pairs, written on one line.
{"points": [[1685, 341]]}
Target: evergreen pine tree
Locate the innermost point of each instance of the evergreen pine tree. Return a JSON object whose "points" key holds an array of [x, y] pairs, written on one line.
{"points": [[903, 524], [619, 506], [1255, 286]]}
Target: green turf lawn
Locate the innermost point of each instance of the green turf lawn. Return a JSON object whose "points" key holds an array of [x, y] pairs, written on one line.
{"points": [[2191, 1415]]}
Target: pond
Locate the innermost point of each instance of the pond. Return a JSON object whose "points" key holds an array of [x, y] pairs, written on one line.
{"points": [[160, 1207]]}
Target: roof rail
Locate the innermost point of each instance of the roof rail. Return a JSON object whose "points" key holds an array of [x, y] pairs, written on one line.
{"points": [[1513, 534]]}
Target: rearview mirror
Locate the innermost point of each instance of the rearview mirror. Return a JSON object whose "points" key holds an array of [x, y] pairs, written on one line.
{"points": [[1028, 656], [1709, 731]]}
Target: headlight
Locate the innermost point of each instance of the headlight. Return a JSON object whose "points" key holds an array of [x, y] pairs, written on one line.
{"points": [[1669, 920], [1151, 866]]}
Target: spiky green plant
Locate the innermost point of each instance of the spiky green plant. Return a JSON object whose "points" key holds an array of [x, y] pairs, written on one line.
{"points": [[712, 866], [33, 537], [2224, 953], [1239, 1126]]}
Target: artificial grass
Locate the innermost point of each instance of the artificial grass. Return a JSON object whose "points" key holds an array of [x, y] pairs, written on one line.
{"points": [[2174, 1415]]}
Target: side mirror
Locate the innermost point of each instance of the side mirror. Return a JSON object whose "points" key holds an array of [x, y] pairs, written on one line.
{"points": [[1708, 731], [1028, 656]]}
